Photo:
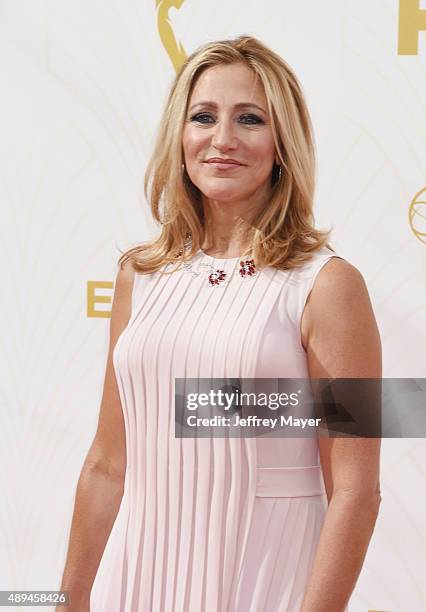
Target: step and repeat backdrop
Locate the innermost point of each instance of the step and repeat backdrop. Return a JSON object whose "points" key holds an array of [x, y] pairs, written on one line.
{"points": [[84, 85]]}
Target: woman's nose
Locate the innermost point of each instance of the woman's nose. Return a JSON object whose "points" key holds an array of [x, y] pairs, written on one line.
{"points": [[223, 134]]}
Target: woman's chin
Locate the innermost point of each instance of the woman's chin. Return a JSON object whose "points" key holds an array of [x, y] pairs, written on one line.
{"points": [[224, 195]]}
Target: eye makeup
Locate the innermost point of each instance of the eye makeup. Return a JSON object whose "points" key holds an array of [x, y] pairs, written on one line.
{"points": [[254, 119]]}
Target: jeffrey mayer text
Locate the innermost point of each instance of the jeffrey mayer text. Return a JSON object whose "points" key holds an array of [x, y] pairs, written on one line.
{"points": [[250, 421], [290, 421]]}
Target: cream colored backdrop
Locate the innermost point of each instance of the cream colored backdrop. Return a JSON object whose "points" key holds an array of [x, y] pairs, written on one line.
{"points": [[83, 86]]}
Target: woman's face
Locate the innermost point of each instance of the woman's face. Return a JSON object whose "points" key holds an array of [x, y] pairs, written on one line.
{"points": [[227, 118]]}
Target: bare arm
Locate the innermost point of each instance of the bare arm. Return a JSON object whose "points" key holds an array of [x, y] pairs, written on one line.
{"points": [[100, 486], [342, 341]]}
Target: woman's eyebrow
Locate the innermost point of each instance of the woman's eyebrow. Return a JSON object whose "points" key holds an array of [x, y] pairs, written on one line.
{"points": [[239, 105]]}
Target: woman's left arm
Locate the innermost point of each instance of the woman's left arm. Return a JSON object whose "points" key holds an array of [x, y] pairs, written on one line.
{"points": [[341, 338]]}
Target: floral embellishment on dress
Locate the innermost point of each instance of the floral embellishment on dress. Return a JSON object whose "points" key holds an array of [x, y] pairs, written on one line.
{"points": [[247, 268], [216, 277]]}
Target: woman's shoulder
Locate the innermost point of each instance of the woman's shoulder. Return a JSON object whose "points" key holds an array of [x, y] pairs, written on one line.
{"points": [[326, 280], [336, 285], [327, 264], [341, 281], [125, 274]]}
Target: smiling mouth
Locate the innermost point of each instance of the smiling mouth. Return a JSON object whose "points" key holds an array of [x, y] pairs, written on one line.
{"points": [[224, 165]]}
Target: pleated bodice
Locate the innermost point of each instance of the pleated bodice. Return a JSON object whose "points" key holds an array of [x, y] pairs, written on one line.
{"points": [[211, 524]]}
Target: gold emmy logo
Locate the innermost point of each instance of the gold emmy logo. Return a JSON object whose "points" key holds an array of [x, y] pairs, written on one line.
{"points": [[412, 19], [173, 47], [417, 215], [93, 299]]}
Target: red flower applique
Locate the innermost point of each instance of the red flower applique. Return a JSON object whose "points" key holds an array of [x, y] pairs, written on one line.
{"points": [[247, 267], [217, 277]]}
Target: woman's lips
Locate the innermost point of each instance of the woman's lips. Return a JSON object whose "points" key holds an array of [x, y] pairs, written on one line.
{"points": [[224, 165]]}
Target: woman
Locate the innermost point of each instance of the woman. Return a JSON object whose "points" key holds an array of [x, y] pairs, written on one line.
{"points": [[250, 289]]}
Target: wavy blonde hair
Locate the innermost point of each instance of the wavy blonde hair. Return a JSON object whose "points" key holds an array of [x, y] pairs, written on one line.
{"points": [[282, 234]]}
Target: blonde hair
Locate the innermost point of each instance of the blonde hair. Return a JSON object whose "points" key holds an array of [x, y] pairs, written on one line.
{"points": [[282, 234]]}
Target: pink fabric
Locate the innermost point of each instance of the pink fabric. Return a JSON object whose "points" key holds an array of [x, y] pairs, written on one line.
{"points": [[210, 524]]}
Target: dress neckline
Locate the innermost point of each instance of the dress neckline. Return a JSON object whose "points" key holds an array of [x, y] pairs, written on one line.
{"points": [[213, 258]]}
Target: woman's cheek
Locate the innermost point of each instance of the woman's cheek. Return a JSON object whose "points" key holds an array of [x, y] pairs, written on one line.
{"points": [[190, 145]]}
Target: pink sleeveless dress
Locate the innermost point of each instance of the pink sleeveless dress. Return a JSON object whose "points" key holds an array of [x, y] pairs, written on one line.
{"points": [[211, 524]]}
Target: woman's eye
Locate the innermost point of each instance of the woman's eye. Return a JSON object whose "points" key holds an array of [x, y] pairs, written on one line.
{"points": [[253, 118], [199, 117]]}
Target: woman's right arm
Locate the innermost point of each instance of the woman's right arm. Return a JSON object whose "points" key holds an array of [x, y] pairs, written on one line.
{"points": [[101, 482]]}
